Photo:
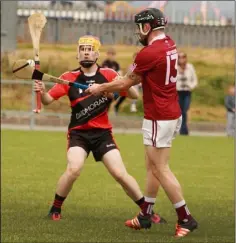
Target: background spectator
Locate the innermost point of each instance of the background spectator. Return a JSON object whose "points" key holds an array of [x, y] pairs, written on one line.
{"points": [[230, 106], [186, 82], [111, 62]]}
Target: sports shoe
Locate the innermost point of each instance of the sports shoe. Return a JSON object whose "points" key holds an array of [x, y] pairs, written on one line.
{"points": [[157, 219], [184, 228], [55, 216], [139, 222]]}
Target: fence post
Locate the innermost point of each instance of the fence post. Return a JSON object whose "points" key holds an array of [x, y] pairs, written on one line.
{"points": [[32, 117]]}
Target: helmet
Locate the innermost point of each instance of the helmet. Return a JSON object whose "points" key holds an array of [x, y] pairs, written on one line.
{"points": [[154, 17], [89, 40]]}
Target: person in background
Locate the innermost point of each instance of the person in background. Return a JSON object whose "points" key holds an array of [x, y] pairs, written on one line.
{"points": [[186, 82], [230, 106], [110, 62]]}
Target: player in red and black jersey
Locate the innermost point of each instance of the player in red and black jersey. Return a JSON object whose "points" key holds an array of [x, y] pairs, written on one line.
{"points": [[89, 128], [156, 68]]}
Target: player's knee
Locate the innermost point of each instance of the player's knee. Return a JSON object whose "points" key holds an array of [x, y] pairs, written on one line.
{"points": [[73, 173], [120, 175], [158, 171]]}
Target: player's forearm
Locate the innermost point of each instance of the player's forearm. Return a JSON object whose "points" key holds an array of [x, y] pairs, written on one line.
{"points": [[114, 86], [46, 98], [120, 84]]}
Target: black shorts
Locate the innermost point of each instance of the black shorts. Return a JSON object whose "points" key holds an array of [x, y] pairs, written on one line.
{"points": [[99, 141]]}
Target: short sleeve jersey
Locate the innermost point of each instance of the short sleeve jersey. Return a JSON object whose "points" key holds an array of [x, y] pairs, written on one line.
{"points": [[87, 111], [157, 64]]}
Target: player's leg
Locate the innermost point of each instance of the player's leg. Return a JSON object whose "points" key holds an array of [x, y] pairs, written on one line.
{"points": [[157, 141], [76, 155], [151, 190], [119, 101], [187, 103], [159, 158], [114, 164], [158, 155], [107, 151], [230, 128]]}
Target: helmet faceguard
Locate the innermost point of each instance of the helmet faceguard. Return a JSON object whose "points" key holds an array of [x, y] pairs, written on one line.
{"points": [[88, 50], [154, 17]]}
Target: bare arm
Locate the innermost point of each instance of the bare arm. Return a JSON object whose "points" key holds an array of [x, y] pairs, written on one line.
{"points": [[121, 83], [133, 93], [46, 98]]}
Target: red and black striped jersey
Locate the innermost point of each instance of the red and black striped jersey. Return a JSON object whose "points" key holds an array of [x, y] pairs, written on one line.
{"points": [[87, 111]]}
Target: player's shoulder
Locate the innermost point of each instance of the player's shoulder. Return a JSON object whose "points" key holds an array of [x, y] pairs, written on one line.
{"points": [[71, 74]]}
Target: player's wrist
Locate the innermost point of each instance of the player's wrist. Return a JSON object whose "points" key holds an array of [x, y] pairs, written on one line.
{"points": [[103, 88]]}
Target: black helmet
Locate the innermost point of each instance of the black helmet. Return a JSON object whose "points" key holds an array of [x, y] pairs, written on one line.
{"points": [[154, 17]]}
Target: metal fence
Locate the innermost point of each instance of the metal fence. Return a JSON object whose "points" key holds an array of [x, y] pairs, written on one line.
{"points": [[20, 102], [22, 114], [66, 23], [8, 25]]}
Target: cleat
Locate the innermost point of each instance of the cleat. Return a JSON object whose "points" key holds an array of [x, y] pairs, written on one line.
{"points": [[139, 222], [55, 216], [157, 219], [182, 229]]}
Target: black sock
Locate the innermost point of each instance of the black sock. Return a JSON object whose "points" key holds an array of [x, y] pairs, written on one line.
{"points": [[58, 201], [140, 201]]}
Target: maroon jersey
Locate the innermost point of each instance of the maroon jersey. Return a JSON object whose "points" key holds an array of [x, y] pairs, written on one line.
{"points": [[157, 64], [87, 111]]}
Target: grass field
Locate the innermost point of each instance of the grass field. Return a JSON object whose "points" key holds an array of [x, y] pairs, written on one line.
{"points": [[97, 208]]}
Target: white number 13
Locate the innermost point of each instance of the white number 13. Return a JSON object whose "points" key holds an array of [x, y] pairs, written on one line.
{"points": [[168, 60]]}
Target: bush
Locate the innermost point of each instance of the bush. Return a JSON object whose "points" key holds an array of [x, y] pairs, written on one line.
{"points": [[212, 91]]}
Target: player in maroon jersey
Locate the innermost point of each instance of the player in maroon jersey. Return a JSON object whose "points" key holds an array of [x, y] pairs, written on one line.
{"points": [[89, 128], [156, 67]]}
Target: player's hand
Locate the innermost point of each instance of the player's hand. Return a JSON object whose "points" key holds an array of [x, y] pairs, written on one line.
{"points": [[39, 86], [94, 89], [108, 95]]}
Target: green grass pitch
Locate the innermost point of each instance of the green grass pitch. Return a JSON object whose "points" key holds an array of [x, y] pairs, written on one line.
{"points": [[97, 208]]}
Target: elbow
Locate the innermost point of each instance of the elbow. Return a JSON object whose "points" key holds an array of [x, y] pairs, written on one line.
{"points": [[123, 86], [45, 102]]}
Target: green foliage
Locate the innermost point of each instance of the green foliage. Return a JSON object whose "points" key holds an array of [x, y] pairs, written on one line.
{"points": [[212, 90]]}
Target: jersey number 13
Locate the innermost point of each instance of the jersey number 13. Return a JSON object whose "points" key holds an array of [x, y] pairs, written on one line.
{"points": [[169, 60]]}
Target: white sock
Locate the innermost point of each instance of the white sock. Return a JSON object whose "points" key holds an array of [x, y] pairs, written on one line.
{"points": [[179, 204], [150, 199]]}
